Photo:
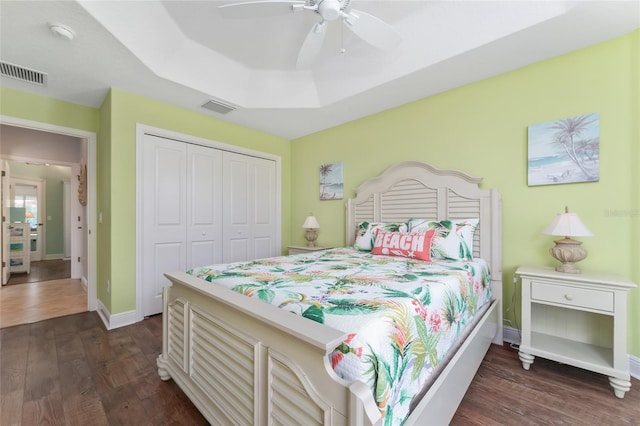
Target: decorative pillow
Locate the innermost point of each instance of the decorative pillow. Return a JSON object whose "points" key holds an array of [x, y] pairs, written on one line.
{"points": [[453, 238], [366, 233], [403, 244]]}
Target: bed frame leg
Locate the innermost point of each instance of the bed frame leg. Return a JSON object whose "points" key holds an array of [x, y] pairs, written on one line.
{"points": [[162, 370]]}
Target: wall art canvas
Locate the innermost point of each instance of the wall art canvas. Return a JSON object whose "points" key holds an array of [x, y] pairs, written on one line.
{"points": [[565, 151], [331, 185]]}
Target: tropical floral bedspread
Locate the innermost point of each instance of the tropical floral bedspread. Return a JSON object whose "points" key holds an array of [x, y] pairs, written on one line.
{"points": [[401, 315]]}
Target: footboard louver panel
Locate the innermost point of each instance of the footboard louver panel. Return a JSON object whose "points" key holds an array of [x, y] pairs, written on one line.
{"points": [[225, 370], [177, 337], [290, 403]]}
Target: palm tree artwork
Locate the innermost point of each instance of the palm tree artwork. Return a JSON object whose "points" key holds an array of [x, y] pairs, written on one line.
{"points": [[565, 151], [331, 185]]}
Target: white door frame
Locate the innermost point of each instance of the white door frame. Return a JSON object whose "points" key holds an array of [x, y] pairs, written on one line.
{"points": [[141, 130], [4, 211], [91, 160]]}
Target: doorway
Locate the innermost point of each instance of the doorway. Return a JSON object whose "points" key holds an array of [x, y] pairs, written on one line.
{"points": [[29, 150]]}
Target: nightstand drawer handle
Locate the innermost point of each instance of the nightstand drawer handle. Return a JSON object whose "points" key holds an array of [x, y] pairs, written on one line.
{"points": [[568, 296]]}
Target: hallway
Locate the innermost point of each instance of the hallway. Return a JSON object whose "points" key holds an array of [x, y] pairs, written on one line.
{"points": [[44, 270], [47, 292]]}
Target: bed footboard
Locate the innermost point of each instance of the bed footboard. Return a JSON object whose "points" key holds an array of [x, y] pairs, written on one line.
{"points": [[242, 361]]}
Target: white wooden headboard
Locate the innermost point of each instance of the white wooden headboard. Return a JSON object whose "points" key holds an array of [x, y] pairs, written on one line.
{"points": [[412, 189]]}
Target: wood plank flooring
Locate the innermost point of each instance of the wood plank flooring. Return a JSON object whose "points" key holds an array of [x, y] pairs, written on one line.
{"points": [[71, 371], [32, 302]]}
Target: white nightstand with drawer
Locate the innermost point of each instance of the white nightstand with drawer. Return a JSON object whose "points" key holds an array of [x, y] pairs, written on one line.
{"points": [[576, 319], [305, 249]]}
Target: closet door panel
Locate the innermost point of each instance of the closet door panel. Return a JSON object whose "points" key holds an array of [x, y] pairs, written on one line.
{"points": [[164, 213], [204, 206], [264, 208], [237, 215]]}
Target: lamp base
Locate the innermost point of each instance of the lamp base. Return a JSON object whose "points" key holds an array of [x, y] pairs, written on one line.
{"points": [[568, 251], [311, 236]]}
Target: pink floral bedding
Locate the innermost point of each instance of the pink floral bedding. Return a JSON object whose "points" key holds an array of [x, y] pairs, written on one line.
{"points": [[401, 315]]}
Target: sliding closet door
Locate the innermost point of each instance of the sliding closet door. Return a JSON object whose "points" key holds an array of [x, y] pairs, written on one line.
{"points": [[249, 216]]}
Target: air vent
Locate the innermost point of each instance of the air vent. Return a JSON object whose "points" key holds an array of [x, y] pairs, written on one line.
{"points": [[218, 106], [23, 74]]}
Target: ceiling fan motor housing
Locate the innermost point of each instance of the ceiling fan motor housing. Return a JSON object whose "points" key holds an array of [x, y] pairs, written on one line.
{"points": [[329, 9]]}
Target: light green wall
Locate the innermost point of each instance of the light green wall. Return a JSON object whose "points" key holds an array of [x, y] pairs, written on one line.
{"points": [[127, 110], [482, 129], [27, 106]]}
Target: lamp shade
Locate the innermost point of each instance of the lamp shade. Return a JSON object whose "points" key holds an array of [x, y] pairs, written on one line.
{"points": [[568, 225], [28, 215], [311, 222]]}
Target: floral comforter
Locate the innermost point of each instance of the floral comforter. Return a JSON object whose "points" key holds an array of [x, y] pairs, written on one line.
{"points": [[401, 315]]}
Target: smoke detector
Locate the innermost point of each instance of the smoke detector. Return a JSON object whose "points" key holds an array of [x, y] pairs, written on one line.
{"points": [[62, 31]]}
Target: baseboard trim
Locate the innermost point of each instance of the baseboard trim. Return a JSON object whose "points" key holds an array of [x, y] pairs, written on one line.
{"points": [[634, 366], [113, 321], [53, 256], [512, 335]]}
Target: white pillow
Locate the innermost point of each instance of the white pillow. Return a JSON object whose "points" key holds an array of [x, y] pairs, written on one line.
{"points": [[453, 238], [366, 233]]}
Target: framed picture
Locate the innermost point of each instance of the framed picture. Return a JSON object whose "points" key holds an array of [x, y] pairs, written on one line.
{"points": [[331, 185], [564, 151]]}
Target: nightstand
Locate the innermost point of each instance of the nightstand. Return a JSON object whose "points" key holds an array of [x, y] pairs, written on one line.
{"points": [[576, 319], [305, 249]]}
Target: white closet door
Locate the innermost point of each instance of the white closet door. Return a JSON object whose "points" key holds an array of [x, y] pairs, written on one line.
{"points": [[263, 200], [249, 207], [164, 216], [204, 206]]}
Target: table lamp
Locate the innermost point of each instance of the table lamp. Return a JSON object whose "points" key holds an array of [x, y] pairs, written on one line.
{"points": [[567, 250], [311, 224]]}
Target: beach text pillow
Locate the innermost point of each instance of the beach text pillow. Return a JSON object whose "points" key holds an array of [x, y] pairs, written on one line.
{"points": [[415, 246]]}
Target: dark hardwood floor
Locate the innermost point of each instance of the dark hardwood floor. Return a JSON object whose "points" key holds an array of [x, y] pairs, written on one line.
{"points": [[71, 371]]}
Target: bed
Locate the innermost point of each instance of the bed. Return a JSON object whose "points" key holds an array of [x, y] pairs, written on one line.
{"points": [[243, 361]]}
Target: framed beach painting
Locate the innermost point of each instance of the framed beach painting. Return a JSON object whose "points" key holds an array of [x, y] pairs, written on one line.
{"points": [[331, 181], [564, 151]]}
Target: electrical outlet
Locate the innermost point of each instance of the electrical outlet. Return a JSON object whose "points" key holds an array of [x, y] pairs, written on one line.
{"points": [[515, 279], [108, 286]]}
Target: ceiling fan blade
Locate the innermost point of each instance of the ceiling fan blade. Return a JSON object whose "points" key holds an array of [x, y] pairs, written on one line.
{"points": [[259, 9], [312, 45], [372, 29]]}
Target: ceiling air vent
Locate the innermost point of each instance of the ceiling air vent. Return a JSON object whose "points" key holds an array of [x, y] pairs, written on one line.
{"points": [[218, 106], [23, 74]]}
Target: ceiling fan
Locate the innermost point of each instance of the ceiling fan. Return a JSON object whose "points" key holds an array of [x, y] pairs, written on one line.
{"points": [[369, 28]]}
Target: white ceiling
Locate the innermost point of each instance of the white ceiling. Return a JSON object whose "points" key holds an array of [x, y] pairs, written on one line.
{"points": [[185, 52]]}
